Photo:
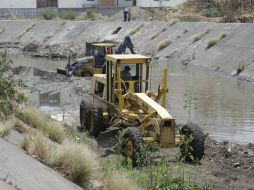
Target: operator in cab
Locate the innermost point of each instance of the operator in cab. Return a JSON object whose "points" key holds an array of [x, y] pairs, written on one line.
{"points": [[125, 74]]}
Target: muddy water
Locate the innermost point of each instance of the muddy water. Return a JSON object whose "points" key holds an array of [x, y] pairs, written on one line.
{"points": [[224, 107]]}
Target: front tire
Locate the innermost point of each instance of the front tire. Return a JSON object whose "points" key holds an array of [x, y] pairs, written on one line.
{"points": [[195, 149], [133, 140]]}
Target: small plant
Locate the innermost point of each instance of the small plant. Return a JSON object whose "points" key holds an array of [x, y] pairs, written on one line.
{"points": [[223, 35], [198, 37], [178, 36], [240, 68], [173, 22], [134, 31], [211, 43], [190, 102], [210, 12], [47, 38], [68, 15], [164, 44], [49, 14], [155, 35], [185, 31]]}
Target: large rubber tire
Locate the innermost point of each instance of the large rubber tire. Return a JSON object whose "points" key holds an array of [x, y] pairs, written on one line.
{"points": [[133, 139], [95, 123], [83, 116], [197, 144]]}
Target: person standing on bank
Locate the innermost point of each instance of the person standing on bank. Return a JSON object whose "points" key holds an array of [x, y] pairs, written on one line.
{"points": [[125, 14]]}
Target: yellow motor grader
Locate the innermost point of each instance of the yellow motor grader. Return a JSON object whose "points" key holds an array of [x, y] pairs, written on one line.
{"points": [[121, 99]]}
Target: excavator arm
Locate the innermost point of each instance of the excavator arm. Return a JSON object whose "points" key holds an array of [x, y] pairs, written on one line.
{"points": [[126, 43]]}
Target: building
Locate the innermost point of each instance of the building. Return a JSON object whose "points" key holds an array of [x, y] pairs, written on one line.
{"points": [[86, 3]]}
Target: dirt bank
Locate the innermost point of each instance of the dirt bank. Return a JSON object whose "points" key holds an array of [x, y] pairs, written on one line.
{"points": [[225, 48]]}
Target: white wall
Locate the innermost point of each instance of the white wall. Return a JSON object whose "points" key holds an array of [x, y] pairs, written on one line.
{"points": [[124, 3], [76, 3], [18, 3], [163, 3]]}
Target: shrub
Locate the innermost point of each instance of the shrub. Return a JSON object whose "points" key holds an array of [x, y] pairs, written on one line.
{"points": [[68, 15], [211, 12], [164, 44], [49, 14], [9, 96], [211, 43]]}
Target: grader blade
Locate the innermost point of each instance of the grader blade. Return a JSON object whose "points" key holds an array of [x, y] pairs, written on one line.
{"points": [[107, 138]]}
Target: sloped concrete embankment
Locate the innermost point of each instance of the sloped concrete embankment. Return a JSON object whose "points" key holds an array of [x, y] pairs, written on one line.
{"points": [[231, 54]]}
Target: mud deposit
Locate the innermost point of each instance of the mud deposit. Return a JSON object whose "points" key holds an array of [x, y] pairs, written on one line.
{"points": [[232, 165]]}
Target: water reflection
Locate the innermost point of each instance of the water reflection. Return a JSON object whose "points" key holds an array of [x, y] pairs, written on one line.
{"points": [[224, 106]]}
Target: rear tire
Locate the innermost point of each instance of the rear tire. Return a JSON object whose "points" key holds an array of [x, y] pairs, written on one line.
{"points": [[133, 139], [195, 149], [95, 123], [82, 116]]}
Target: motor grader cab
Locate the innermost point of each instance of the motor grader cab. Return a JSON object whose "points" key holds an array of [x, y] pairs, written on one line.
{"points": [[94, 60], [120, 103]]}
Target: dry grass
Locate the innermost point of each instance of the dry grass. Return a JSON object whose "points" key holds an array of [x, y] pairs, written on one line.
{"points": [[198, 37], [164, 44], [75, 161], [38, 120], [155, 35], [6, 127], [134, 31], [121, 181], [211, 43]]}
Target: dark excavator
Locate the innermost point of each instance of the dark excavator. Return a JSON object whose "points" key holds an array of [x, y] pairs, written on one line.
{"points": [[94, 60]]}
